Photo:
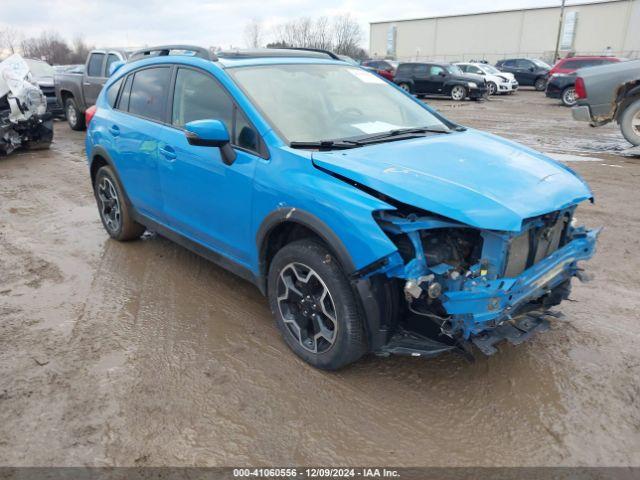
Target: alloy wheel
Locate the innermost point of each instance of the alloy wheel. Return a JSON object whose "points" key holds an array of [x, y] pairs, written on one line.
{"points": [[569, 96], [635, 123], [405, 87], [307, 308], [72, 116], [492, 88], [458, 93], [109, 205]]}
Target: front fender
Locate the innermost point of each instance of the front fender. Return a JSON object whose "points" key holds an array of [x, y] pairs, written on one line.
{"points": [[339, 213]]}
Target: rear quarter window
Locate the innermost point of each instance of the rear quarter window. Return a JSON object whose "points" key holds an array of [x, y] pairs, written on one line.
{"points": [[112, 93]]}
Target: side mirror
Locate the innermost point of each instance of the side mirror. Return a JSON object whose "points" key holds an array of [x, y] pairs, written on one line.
{"points": [[442, 74], [531, 69], [211, 133]]}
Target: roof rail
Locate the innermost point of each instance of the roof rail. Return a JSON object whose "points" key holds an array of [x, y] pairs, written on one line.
{"points": [[318, 50], [165, 50]]}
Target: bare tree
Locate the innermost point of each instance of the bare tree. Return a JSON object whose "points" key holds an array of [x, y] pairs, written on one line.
{"points": [[49, 46], [80, 50], [341, 34], [253, 34], [9, 39], [347, 36]]}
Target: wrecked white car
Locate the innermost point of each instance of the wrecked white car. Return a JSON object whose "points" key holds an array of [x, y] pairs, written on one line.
{"points": [[24, 120]]}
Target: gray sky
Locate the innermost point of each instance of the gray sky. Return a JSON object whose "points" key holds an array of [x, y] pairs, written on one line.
{"points": [[209, 22]]}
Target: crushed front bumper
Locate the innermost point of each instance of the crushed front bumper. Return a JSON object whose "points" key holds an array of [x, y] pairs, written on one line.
{"points": [[486, 304]]}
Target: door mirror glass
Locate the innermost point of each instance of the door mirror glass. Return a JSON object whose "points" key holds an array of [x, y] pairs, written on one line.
{"points": [[211, 133]]}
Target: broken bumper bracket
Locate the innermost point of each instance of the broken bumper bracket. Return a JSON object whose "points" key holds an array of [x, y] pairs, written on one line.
{"points": [[516, 332]]}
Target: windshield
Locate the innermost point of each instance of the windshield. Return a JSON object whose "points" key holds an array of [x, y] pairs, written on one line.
{"points": [[312, 102], [454, 70], [39, 69], [540, 63], [490, 69]]}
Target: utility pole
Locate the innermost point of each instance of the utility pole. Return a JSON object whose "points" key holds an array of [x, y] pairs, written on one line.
{"points": [[555, 55]]}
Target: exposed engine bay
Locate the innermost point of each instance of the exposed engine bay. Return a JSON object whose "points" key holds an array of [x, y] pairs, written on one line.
{"points": [[465, 285], [24, 121]]}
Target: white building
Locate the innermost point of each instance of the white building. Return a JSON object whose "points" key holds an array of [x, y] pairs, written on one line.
{"points": [[610, 26]]}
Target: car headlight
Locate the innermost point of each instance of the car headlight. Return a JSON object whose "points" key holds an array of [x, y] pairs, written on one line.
{"points": [[472, 85]]}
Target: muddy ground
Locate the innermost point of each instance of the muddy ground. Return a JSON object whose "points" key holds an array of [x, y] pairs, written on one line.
{"points": [[145, 354]]}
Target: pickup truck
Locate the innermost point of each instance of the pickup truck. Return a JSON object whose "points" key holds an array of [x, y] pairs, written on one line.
{"points": [[78, 91], [610, 92]]}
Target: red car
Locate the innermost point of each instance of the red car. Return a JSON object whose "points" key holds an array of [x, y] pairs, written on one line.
{"points": [[571, 64], [384, 68]]}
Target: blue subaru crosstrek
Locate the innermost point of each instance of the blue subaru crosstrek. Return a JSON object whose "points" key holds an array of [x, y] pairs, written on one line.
{"points": [[371, 222]]}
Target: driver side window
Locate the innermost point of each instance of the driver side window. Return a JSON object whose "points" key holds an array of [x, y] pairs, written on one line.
{"points": [[436, 70], [197, 96]]}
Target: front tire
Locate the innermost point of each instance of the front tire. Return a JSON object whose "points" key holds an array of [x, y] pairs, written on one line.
{"points": [[630, 123], [492, 87], [314, 306], [406, 87], [458, 93], [569, 96], [540, 84], [75, 118], [114, 211]]}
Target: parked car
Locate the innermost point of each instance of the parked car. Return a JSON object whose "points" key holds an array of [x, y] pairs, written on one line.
{"points": [[384, 68], [76, 91], [561, 81], [528, 71], [497, 81], [610, 93], [440, 79], [43, 74], [370, 221]]}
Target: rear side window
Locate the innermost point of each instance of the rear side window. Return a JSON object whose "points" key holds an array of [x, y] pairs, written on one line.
{"points": [[112, 93], [197, 96], [95, 65], [123, 102], [149, 93], [404, 69], [111, 58], [420, 69]]}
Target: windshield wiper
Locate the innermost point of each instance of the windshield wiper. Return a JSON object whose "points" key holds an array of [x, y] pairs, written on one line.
{"points": [[326, 144], [399, 134]]}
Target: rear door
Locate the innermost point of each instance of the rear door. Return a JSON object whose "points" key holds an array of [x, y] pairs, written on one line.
{"points": [[94, 78], [205, 199], [421, 78], [137, 125]]}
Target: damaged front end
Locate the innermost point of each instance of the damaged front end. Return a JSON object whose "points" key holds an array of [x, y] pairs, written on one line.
{"points": [[24, 121], [463, 285]]}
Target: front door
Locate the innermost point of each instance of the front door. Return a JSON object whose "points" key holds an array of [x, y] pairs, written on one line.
{"points": [[205, 199], [94, 78], [437, 77]]}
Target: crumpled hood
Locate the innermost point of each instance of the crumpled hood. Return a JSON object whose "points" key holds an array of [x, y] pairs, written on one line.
{"points": [[473, 177]]}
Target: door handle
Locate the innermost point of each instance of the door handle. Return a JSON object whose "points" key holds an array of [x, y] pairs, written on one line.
{"points": [[87, 84], [114, 130], [168, 152]]}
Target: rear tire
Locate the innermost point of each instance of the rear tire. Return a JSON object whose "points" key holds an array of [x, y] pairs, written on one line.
{"points": [[540, 84], [406, 87], [569, 96], [75, 118], [630, 123], [114, 210], [314, 305]]}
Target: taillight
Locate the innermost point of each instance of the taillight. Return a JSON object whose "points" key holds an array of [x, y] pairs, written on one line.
{"points": [[89, 113], [581, 91]]}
